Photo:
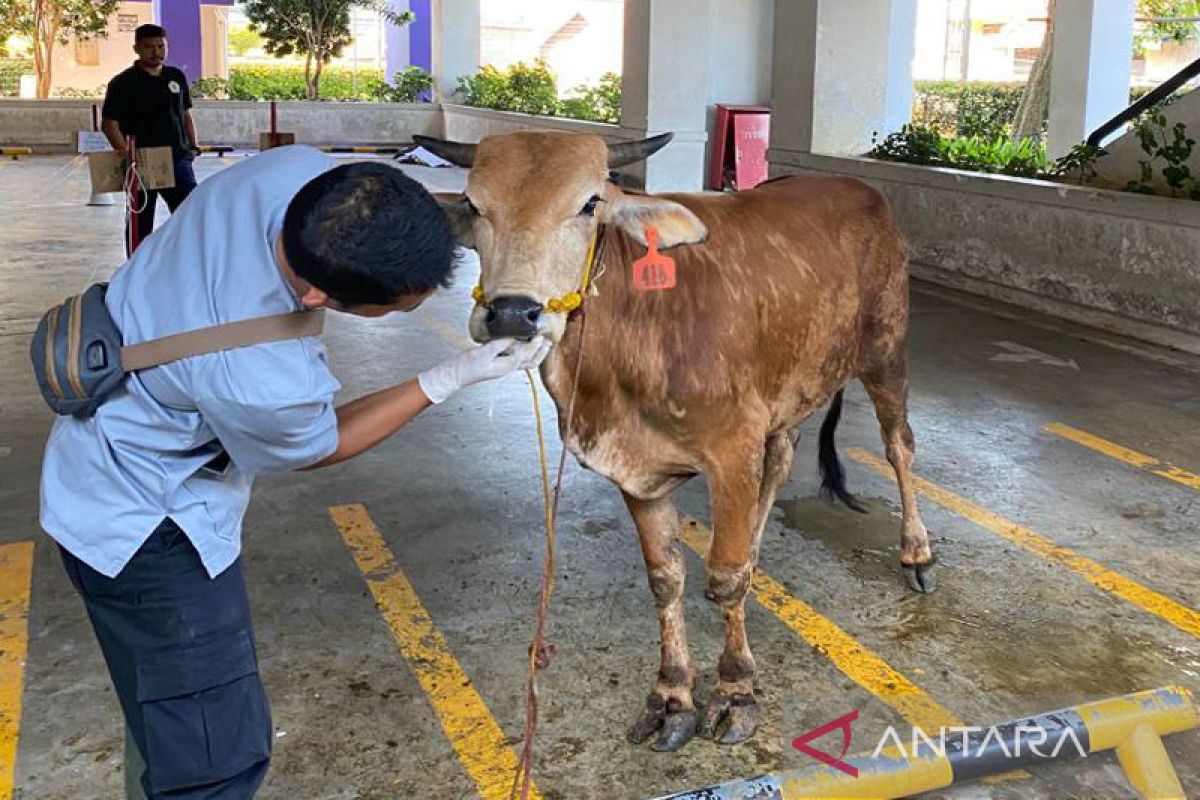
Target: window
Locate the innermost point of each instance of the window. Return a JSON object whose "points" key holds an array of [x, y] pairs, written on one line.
{"points": [[87, 53]]}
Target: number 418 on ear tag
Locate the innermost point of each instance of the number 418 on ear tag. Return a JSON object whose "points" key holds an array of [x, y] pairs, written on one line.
{"points": [[653, 272]]}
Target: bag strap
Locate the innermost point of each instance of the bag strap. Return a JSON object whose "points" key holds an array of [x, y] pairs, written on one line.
{"points": [[261, 330]]}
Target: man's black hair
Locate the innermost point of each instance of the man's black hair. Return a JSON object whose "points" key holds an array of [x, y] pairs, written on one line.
{"points": [[367, 234], [149, 31]]}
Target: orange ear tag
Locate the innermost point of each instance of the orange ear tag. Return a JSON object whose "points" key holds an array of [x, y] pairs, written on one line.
{"points": [[653, 272]]}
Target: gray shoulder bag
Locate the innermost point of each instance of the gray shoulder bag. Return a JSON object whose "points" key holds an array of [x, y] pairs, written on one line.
{"points": [[79, 359]]}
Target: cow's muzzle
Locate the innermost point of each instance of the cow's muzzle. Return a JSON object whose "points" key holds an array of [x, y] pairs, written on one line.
{"points": [[516, 317]]}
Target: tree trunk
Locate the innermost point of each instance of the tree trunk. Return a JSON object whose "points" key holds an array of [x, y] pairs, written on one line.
{"points": [[1034, 110], [45, 31], [314, 89], [309, 85]]}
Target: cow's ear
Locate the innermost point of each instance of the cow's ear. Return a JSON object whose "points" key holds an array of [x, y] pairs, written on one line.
{"points": [[461, 214], [676, 224]]}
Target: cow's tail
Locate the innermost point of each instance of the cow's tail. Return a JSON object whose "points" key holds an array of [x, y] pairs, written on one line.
{"points": [[833, 475]]}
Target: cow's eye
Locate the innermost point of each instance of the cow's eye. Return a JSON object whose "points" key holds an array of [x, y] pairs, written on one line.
{"points": [[589, 208], [470, 206]]}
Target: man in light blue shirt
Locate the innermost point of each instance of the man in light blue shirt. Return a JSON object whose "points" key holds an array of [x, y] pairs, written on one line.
{"points": [[146, 498]]}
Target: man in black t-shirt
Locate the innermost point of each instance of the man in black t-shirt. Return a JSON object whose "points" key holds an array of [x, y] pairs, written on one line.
{"points": [[151, 101]]}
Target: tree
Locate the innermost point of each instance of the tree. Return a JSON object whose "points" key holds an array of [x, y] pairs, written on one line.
{"points": [[1165, 21], [1164, 18], [1034, 110], [242, 40], [319, 29], [51, 22]]}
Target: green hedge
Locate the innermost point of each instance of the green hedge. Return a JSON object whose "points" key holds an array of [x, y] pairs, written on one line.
{"points": [[533, 89], [973, 108], [286, 82], [11, 70]]}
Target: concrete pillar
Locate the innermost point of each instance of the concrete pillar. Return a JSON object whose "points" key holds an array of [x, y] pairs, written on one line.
{"points": [[455, 50], [842, 71], [665, 87], [185, 50], [1091, 69]]}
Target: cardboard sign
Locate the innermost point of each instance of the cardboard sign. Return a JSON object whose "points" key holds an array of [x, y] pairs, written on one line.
{"points": [[156, 169], [653, 272], [93, 142]]}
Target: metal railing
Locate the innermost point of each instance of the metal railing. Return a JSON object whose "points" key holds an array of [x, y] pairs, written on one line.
{"points": [[1153, 98]]}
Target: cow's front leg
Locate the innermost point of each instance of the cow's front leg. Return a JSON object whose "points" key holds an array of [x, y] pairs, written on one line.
{"points": [[731, 715], [669, 707]]}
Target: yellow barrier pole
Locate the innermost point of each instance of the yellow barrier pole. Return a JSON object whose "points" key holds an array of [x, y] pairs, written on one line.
{"points": [[1131, 725]]}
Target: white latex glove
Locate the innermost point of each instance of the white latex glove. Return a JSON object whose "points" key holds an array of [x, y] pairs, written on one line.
{"points": [[493, 360]]}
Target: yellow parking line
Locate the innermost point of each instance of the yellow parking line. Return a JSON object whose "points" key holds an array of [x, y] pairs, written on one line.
{"points": [[474, 734], [1181, 616], [1131, 457], [16, 569], [847, 653]]}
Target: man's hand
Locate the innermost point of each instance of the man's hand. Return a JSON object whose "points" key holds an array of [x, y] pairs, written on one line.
{"points": [[493, 360]]}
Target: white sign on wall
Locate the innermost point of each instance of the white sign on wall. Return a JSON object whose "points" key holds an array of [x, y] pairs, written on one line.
{"points": [[93, 142]]}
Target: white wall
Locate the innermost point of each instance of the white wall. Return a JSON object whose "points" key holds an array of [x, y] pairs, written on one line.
{"points": [[739, 56], [51, 125]]}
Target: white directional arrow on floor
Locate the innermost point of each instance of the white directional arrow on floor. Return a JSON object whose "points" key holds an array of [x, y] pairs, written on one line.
{"points": [[1020, 354]]}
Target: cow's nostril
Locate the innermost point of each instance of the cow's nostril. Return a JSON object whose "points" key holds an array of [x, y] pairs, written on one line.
{"points": [[514, 315]]}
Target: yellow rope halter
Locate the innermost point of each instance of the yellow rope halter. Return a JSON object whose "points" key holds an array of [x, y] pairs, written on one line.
{"points": [[568, 302]]}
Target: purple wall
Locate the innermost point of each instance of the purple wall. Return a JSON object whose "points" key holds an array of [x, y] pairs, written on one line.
{"points": [[420, 35], [181, 18]]}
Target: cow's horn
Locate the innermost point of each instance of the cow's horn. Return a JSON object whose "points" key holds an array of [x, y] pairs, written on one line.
{"points": [[457, 153], [626, 153]]}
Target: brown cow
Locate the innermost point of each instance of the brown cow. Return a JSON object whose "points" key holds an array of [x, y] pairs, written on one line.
{"points": [[785, 293]]}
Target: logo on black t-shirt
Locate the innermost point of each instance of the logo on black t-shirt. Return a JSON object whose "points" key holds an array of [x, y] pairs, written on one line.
{"points": [[173, 86]]}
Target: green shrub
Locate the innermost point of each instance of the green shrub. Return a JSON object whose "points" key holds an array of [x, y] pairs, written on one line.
{"points": [[533, 89], [286, 82], [72, 93], [11, 70], [210, 89], [918, 144], [487, 88], [973, 108], [408, 86], [600, 103]]}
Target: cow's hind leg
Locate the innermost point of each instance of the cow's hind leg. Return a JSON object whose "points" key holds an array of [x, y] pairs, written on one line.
{"points": [[888, 387], [669, 707], [743, 494]]}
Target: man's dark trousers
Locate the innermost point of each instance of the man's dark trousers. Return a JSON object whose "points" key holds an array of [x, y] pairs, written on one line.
{"points": [[180, 649], [185, 181]]}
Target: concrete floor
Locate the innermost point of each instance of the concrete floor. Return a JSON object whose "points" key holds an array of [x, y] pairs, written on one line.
{"points": [[457, 499]]}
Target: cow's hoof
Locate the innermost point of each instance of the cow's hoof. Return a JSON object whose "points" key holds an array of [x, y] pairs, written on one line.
{"points": [[677, 725], [730, 719], [921, 578]]}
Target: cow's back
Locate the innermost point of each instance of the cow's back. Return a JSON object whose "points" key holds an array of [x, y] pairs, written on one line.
{"points": [[774, 298]]}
